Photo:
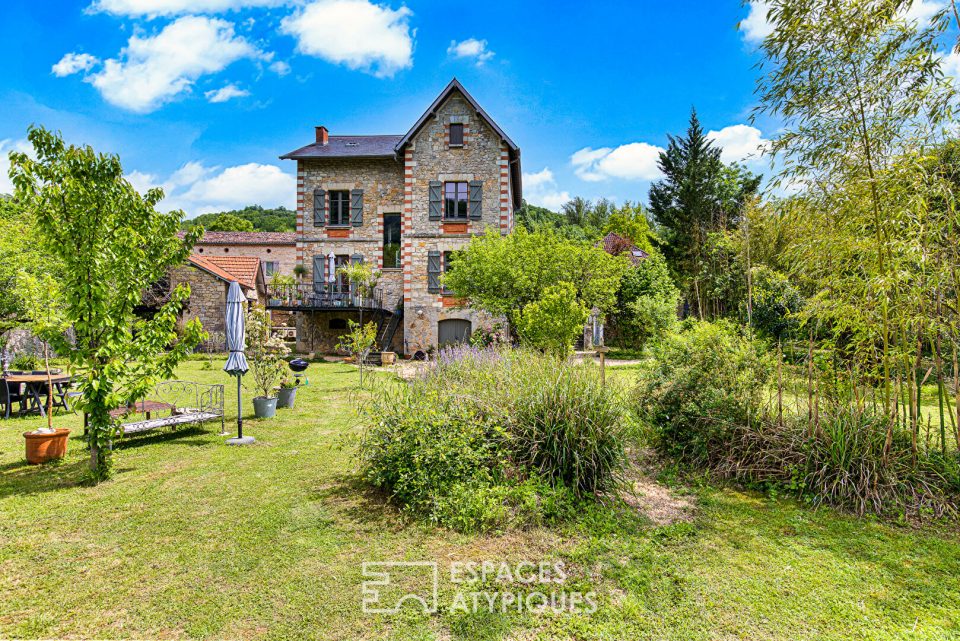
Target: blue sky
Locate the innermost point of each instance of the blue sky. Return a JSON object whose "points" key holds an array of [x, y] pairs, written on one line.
{"points": [[202, 96]]}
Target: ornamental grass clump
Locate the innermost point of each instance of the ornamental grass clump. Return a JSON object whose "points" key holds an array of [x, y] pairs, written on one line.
{"points": [[492, 437]]}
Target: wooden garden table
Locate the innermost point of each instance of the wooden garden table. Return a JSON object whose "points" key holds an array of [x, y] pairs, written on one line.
{"points": [[35, 382]]}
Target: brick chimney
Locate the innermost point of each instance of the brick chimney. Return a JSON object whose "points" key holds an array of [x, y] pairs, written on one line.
{"points": [[323, 136]]}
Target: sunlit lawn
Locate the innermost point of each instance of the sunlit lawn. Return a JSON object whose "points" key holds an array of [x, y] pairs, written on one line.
{"points": [[196, 539]]}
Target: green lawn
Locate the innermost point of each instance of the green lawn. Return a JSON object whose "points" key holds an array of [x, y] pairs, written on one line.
{"points": [[194, 539]]}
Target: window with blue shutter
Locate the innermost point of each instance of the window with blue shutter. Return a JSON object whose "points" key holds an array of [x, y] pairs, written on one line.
{"points": [[476, 199], [356, 207], [436, 200], [319, 207], [434, 267]]}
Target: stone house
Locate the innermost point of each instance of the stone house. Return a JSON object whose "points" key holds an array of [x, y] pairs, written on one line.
{"points": [[277, 251], [404, 203], [209, 278]]}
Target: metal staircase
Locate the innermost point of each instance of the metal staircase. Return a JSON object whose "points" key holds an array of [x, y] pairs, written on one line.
{"points": [[386, 329]]}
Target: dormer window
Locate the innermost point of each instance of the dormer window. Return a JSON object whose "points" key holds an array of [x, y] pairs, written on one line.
{"points": [[456, 134]]}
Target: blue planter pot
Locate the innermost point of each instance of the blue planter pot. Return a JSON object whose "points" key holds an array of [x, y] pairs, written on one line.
{"points": [[264, 407]]}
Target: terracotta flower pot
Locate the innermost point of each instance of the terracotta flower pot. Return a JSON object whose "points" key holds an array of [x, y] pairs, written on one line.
{"points": [[388, 358], [46, 447]]}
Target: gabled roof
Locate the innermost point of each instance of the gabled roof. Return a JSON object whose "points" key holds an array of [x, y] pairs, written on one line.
{"points": [[615, 244], [242, 269], [349, 147], [432, 110]]}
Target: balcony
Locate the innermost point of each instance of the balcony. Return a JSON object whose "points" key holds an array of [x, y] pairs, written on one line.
{"points": [[320, 297]]}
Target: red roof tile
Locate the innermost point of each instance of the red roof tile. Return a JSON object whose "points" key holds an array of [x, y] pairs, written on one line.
{"points": [[242, 269]]}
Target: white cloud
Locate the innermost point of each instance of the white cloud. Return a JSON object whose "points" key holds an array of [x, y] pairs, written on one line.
{"points": [[225, 93], [71, 63], [154, 8], [740, 143], [6, 146], [355, 33], [922, 10], [280, 68], [470, 48], [755, 26], [632, 161], [541, 189], [198, 189], [153, 70], [950, 64]]}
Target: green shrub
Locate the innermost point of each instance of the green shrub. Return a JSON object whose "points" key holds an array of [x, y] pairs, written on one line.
{"points": [[844, 464], [646, 303], [701, 385], [25, 361], [553, 322], [490, 438]]}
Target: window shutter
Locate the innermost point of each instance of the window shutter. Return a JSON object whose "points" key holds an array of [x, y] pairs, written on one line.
{"points": [[356, 207], [356, 258], [319, 269], [476, 199], [319, 207], [436, 200], [433, 272]]}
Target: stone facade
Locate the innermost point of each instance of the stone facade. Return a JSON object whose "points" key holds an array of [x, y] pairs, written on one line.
{"points": [[404, 182], [273, 247], [208, 297]]}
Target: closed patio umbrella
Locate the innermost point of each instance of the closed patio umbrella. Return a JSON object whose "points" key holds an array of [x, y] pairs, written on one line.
{"points": [[234, 327]]}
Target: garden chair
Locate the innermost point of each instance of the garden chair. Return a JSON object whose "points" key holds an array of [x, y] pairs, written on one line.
{"points": [[10, 393]]}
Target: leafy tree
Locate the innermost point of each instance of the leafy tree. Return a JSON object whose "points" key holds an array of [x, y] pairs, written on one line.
{"points": [[229, 222], [358, 342], [279, 219], [553, 322], [646, 302], [775, 303], [860, 94], [504, 274], [630, 221], [697, 196], [113, 244]]}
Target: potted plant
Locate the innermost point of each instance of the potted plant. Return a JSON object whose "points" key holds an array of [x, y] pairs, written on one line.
{"points": [[288, 392], [265, 352], [388, 358], [41, 298]]}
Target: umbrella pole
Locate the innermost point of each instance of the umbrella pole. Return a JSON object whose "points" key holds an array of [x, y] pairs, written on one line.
{"points": [[239, 411]]}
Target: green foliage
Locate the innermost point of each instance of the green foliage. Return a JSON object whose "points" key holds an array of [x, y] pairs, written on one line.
{"points": [[646, 302], [703, 384], [698, 195], [265, 351], [113, 245], [279, 219], [630, 221], [775, 303], [362, 276], [25, 362], [583, 220], [504, 274], [229, 222], [358, 342], [553, 323], [490, 438]]}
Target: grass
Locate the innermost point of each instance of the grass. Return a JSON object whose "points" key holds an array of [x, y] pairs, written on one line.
{"points": [[193, 539]]}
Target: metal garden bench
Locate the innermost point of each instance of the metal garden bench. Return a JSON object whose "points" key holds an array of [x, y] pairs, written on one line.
{"points": [[189, 403]]}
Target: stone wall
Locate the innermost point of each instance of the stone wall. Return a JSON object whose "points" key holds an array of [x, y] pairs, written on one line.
{"points": [[391, 186], [286, 255], [314, 334], [208, 298], [429, 157]]}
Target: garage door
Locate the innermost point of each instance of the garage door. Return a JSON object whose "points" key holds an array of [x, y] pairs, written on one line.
{"points": [[453, 331]]}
